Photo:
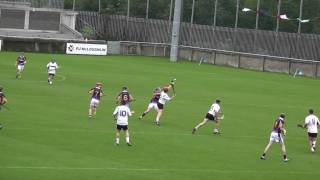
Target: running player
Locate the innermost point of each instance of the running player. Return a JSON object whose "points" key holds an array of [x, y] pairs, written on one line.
{"points": [[153, 102], [124, 96], [52, 67], [121, 115], [212, 115], [96, 93], [21, 61], [164, 97], [311, 123], [3, 100], [277, 134]]}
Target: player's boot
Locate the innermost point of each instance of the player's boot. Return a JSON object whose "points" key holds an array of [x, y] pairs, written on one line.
{"points": [[157, 123], [216, 131], [129, 144], [262, 157], [286, 160], [194, 130], [140, 117], [312, 149]]}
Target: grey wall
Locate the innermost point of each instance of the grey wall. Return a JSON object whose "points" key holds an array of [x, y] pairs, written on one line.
{"points": [[227, 58]]}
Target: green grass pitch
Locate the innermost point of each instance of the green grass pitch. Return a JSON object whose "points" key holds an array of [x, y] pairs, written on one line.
{"points": [[47, 134]]}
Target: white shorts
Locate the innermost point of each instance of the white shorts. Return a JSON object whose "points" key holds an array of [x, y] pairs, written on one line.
{"points": [[153, 105], [94, 102], [276, 137], [51, 72], [20, 67]]}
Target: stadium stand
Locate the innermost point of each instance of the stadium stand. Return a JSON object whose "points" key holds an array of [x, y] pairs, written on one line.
{"points": [[20, 19], [11, 18], [43, 20]]}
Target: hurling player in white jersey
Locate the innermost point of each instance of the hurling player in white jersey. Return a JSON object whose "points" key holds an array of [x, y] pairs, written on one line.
{"points": [[212, 115], [121, 115], [52, 66], [311, 123], [164, 97]]}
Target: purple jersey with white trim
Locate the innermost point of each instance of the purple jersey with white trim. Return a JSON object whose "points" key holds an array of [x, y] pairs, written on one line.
{"points": [[21, 60], [155, 98], [96, 93], [277, 125]]}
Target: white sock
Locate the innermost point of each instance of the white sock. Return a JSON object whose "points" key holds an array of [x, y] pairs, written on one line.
{"points": [[127, 140], [157, 120], [117, 140]]}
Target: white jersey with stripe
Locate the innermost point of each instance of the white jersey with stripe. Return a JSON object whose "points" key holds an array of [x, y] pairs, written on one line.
{"points": [[123, 112], [164, 98], [214, 108], [312, 123], [52, 66]]}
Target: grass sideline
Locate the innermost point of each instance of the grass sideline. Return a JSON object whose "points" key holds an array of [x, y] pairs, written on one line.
{"points": [[47, 134]]}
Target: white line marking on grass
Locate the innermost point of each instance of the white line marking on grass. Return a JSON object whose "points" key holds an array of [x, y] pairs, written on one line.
{"points": [[62, 78], [146, 133], [156, 169]]}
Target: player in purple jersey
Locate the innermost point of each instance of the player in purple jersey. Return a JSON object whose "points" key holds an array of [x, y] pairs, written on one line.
{"points": [[153, 102], [96, 94], [124, 96], [21, 61], [3, 100], [277, 134]]}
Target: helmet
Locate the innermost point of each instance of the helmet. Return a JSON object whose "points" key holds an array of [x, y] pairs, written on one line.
{"points": [[124, 88], [218, 101], [157, 89], [282, 115], [1, 88]]}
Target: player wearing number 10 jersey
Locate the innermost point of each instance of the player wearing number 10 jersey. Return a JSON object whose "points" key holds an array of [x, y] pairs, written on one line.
{"points": [[121, 115]]}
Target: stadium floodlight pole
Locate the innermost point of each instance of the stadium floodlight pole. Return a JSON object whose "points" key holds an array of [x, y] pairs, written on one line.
{"points": [[299, 29], [300, 16], [257, 25], [215, 14], [99, 6], [278, 16], [257, 14], [128, 15], [170, 20], [146, 21], [236, 26], [191, 23], [175, 31], [277, 28], [214, 22], [74, 5]]}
